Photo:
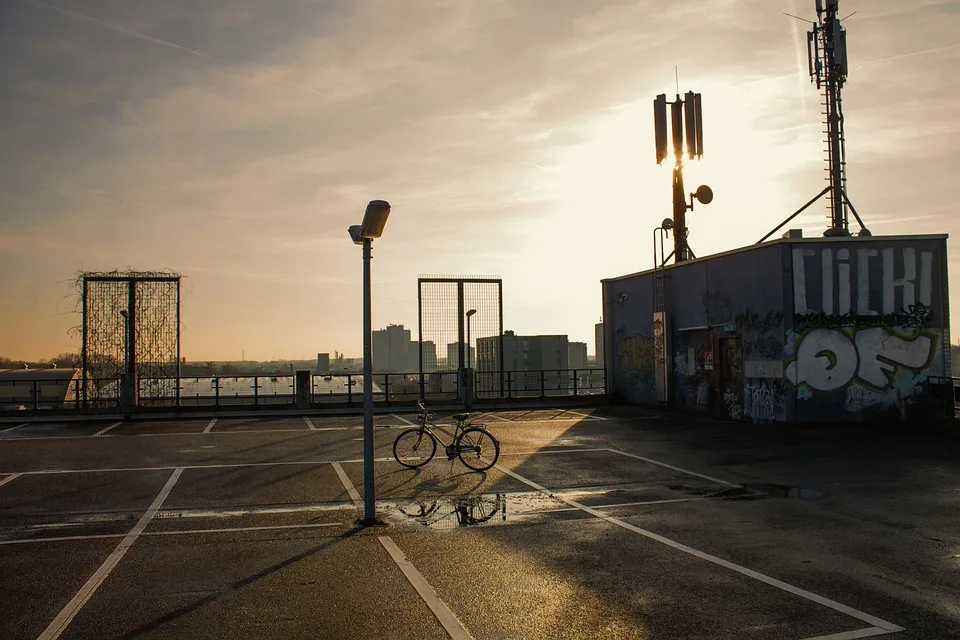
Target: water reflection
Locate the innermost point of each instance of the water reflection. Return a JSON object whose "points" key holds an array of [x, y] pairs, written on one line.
{"points": [[465, 511]]}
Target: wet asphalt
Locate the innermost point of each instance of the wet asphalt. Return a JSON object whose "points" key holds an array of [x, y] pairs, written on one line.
{"points": [[595, 523]]}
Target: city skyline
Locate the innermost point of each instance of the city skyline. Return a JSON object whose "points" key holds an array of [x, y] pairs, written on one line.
{"points": [[236, 144]]}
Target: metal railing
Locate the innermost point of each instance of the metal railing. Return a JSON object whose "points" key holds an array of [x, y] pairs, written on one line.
{"points": [[334, 389], [943, 394], [545, 383]]}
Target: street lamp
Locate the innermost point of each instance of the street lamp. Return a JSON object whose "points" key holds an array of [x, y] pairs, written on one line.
{"points": [[469, 313], [374, 220]]}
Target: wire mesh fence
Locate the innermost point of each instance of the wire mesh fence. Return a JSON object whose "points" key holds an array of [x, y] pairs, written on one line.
{"points": [[460, 324], [131, 324]]}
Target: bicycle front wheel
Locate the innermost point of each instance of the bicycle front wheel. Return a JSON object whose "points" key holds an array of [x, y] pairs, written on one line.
{"points": [[478, 449], [414, 448]]}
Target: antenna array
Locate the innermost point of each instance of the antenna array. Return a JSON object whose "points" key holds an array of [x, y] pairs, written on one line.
{"points": [[685, 113]]}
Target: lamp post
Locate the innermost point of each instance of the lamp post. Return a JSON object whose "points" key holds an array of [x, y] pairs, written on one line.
{"points": [[469, 313], [374, 220]]}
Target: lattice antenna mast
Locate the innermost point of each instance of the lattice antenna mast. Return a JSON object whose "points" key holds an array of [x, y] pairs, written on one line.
{"points": [[827, 54], [684, 112]]}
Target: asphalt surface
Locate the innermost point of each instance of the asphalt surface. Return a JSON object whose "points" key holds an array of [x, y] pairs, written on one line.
{"points": [[598, 523]]}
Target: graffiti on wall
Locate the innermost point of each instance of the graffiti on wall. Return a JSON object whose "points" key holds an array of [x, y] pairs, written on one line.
{"points": [[637, 353], [867, 325], [637, 357], [831, 359], [691, 372], [905, 288], [716, 309], [763, 400], [752, 322]]}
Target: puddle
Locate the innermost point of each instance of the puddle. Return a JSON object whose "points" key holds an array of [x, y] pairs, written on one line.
{"points": [[748, 491], [471, 511]]}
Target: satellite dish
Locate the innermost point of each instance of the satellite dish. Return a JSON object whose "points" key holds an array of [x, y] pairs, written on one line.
{"points": [[704, 194]]}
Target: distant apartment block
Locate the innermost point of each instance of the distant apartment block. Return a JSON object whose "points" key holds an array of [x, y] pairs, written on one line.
{"points": [[391, 350], [323, 362], [453, 356], [523, 353], [430, 363], [577, 358], [598, 344]]}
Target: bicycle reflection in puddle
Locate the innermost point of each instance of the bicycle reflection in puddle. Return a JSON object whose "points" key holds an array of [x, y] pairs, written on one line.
{"points": [[464, 511]]}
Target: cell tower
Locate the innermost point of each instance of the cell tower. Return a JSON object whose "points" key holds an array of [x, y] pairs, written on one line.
{"points": [[827, 58], [827, 61], [686, 110]]}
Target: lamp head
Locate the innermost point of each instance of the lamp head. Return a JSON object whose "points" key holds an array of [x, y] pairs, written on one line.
{"points": [[667, 223], [375, 219], [355, 234], [471, 312]]}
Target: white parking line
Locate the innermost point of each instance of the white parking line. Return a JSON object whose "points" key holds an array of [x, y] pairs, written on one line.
{"points": [[9, 429], [530, 453], [351, 490], [670, 466], [105, 429], [585, 415], [855, 635], [66, 615], [888, 627], [10, 478], [309, 423], [493, 415], [447, 619], [183, 532], [210, 426], [403, 420]]}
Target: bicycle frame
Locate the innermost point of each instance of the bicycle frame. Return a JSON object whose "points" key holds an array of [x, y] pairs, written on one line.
{"points": [[461, 426]]}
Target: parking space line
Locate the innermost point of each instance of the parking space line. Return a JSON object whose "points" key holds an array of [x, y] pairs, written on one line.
{"points": [[402, 419], [210, 426], [307, 525], [310, 424], [585, 415], [351, 490], [66, 615], [9, 429], [98, 536], [670, 466], [10, 478], [492, 415], [855, 635], [447, 619], [750, 573], [529, 453], [105, 429]]}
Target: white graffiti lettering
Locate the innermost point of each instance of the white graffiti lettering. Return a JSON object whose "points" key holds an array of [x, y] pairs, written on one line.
{"points": [[759, 404], [829, 359], [838, 288]]}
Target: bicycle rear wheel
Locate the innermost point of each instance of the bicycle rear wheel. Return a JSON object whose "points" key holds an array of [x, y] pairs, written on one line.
{"points": [[478, 449], [414, 448]]}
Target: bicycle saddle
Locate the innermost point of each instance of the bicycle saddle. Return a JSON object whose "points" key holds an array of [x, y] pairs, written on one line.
{"points": [[461, 416]]}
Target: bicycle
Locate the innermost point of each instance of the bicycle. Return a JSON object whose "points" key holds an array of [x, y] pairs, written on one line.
{"points": [[475, 446]]}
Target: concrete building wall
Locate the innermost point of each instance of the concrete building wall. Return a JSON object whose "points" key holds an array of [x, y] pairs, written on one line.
{"points": [[800, 329]]}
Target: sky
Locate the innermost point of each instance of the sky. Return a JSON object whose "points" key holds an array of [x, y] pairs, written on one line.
{"points": [[234, 143]]}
